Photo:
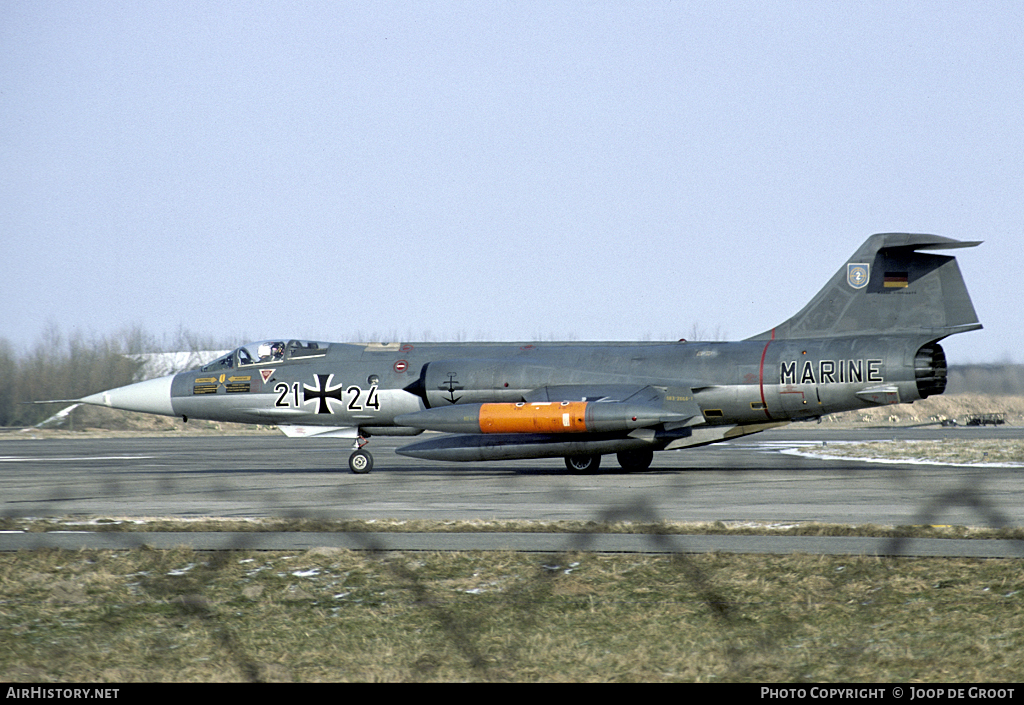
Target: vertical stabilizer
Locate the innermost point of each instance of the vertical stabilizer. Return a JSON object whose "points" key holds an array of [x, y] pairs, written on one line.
{"points": [[889, 286]]}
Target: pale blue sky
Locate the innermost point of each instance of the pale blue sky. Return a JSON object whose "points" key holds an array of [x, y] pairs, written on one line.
{"points": [[492, 170]]}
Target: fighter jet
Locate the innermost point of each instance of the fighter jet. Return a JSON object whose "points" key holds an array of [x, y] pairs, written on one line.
{"points": [[870, 337]]}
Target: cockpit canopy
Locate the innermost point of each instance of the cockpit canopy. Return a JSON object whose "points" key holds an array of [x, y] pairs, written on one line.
{"points": [[268, 351]]}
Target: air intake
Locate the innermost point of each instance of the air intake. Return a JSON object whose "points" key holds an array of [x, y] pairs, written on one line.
{"points": [[930, 370]]}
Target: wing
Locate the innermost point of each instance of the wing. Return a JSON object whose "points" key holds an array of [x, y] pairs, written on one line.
{"points": [[570, 409]]}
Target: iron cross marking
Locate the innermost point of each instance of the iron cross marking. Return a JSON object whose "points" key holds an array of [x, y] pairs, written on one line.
{"points": [[321, 393]]}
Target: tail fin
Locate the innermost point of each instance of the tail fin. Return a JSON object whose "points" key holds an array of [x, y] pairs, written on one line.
{"points": [[887, 286]]}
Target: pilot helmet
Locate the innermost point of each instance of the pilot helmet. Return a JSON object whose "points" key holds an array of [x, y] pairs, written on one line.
{"points": [[263, 351]]}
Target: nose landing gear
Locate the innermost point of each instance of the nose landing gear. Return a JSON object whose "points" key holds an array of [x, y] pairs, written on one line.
{"points": [[360, 462]]}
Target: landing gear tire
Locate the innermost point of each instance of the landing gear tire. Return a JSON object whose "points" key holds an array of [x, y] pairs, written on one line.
{"points": [[635, 460], [583, 464], [360, 462]]}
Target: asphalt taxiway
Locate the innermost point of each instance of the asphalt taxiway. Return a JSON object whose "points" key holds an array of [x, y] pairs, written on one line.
{"points": [[749, 480]]}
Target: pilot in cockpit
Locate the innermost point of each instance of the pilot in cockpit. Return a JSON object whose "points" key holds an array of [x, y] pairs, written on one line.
{"points": [[271, 351]]}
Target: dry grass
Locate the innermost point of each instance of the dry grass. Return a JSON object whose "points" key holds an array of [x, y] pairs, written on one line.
{"points": [[332, 615], [933, 410], [99, 422], [666, 528], [957, 451]]}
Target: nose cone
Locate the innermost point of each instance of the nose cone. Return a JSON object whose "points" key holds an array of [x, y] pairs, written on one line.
{"points": [[151, 397]]}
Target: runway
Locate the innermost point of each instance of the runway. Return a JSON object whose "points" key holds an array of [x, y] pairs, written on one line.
{"points": [[748, 480]]}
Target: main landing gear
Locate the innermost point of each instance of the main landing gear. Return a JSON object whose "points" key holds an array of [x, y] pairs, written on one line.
{"points": [[635, 460], [629, 460], [583, 464], [360, 462]]}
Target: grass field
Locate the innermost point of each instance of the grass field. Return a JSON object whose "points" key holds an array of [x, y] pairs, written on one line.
{"points": [[332, 615], [959, 451]]}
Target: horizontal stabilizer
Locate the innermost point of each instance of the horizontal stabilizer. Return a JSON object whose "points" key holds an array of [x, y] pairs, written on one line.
{"points": [[889, 286]]}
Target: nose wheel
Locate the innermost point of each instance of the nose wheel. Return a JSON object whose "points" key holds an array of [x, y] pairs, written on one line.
{"points": [[360, 462]]}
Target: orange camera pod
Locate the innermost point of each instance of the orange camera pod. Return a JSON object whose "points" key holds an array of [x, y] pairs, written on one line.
{"points": [[536, 417]]}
